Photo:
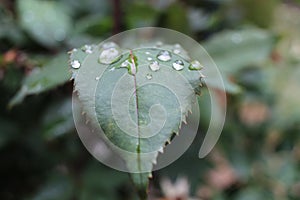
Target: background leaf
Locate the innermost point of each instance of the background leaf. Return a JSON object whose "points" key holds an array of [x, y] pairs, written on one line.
{"points": [[47, 22], [53, 74]]}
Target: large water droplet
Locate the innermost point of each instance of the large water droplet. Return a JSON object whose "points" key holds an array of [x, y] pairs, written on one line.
{"points": [[87, 49], [109, 56], [164, 56], [154, 66], [195, 65], [178, 65], [75, 64], [108, 45], [149, 76]]}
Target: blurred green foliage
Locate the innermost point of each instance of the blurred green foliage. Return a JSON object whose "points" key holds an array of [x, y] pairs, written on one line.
{"points": [[256, 46]]}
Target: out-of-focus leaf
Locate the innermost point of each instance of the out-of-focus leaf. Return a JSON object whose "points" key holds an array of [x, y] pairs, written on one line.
{"points": [[200, 20], [46, 21], [83, 7], [100, 182], [176, 18], [286, 84], [259, 12], [95, 25], [8, 131], [58, 119], [140, 14], [253, 193], [42, 79], [9, 29], [57, 187], [233, 50]]}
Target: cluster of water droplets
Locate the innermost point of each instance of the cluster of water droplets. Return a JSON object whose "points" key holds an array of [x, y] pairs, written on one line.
{"points": [[88, 49]]}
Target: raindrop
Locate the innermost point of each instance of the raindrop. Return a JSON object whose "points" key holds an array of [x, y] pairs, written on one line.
{"points": [[164, 56], [176, 51], [97, 78], [149, 58], [87, 49], [108, 45], [178, 65], [195, 65], [125, 63], [149, 76], [75, 64], [112, 69], [154, 66], [109, 56], [147, 53]]}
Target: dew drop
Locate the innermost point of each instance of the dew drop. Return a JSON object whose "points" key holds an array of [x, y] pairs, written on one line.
{"points": [[149, 76], [149, 58], [195, 65], [176, 51], [109, 56], [75, 64], [147, 53], [154, 66], [178, 65], [125, 63], [97, 78], [164, 56], [87, 49], [108, 45]]}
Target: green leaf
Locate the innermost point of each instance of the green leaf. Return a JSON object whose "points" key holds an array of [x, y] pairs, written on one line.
{"points": [[140, 14], [233, 50], [53, 74], [57, 187], [46, 21], [130, 118], [58, 119], [8, 131]]}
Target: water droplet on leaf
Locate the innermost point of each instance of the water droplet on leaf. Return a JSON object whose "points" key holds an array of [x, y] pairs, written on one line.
{"points": [[176, 51], [149, 76], [87, 49], [97, 78], [125, 63], [154, 66], [149, 58], [178, 65], [147, 53], [75, 64], [164, 56], [108, 45], [195, 65], [109, 56]]}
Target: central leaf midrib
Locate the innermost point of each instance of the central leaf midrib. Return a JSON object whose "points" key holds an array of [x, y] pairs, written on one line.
{"points": [[138, 148]]}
